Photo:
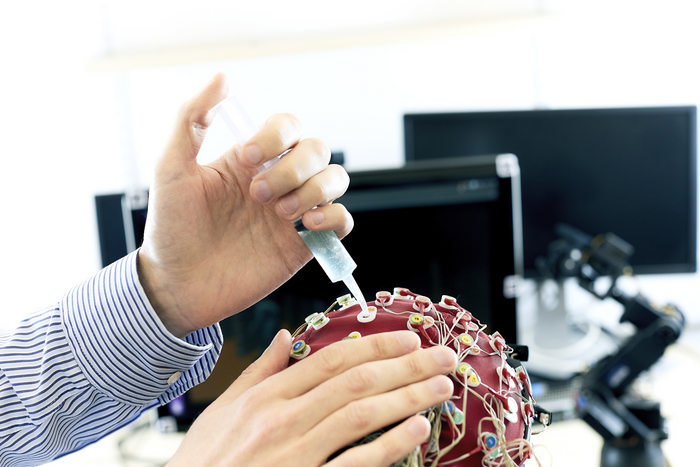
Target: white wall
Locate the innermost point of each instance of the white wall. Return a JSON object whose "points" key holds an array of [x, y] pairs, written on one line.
{"points": [[58, 149], [102, 132], [355, 98]]}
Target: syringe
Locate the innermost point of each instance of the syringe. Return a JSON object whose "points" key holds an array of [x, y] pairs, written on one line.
{"points": [[324, 245]]}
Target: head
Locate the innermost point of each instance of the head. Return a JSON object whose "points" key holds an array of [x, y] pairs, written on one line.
{"points": [[488, 419]]}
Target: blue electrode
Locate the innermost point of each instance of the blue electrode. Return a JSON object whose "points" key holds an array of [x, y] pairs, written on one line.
{"points": [[324, 245]]}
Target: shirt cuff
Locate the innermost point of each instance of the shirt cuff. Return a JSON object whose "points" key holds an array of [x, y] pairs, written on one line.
{"points": [[122, 346]]}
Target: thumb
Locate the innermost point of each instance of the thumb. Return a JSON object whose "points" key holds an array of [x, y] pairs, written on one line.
{"points": [[193, 119], [272, 361]]}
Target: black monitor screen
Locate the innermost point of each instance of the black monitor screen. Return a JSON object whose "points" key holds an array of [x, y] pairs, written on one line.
{"points": [[446, 230], [627, 171]]}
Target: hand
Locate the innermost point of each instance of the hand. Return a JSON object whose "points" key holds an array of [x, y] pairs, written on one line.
{"points": [[302, 415], [217, 241]]}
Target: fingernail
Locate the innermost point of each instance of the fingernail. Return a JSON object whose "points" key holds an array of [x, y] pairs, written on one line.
{"points": [[316, 217], [277, 338], [252, 154], [274, 342], [440, 384], [409, 340], [261, 191], [419, 426], [444, 356], [289, 204]]}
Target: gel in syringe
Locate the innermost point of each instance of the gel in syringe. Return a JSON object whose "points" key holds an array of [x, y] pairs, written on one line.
{"points": [[324, 245]]}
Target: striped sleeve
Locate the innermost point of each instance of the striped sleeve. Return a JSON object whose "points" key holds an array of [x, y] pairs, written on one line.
{"points": [[73, 373]]}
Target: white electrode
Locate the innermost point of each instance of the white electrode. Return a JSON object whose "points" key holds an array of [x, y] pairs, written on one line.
{"points": [[324, 245]]}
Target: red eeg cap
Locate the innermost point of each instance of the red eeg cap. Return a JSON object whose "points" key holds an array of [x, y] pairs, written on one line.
{"points": [[488, 415]]}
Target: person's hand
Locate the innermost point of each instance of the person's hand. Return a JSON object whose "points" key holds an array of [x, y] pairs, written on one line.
{"points": [[299, 416], [217, 241]]}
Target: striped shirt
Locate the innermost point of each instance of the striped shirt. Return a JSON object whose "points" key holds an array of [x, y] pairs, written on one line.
{"points": [[72, 373]]}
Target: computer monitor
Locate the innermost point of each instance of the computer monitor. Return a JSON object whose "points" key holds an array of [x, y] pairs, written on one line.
{"points": [[434, 227], [627, 171], [121, 221]]}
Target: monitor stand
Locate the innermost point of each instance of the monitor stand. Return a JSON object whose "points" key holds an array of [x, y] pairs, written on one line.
{"points": [[560, 346]]}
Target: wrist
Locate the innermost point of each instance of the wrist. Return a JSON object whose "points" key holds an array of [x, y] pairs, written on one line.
{"points": [[160, 296]]}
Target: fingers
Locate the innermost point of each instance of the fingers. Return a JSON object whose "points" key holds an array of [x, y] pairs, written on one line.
{"points": [[332, 217], [302, 180], [374, 378], [364, 416], [307, 189], [197, 110], [389, 448], [307, 159], [272, 361], [280, 133], [339, 357], [193, 120]]}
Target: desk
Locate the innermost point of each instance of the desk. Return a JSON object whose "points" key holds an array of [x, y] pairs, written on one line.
{"points": [[671, 381]]}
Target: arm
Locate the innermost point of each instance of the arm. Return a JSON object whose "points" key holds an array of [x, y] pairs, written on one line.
{"points": [[74, 372], [221, 240], [219, 236], [216, 242]]}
